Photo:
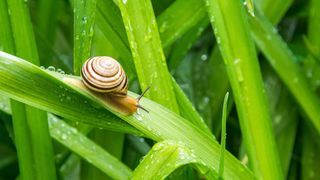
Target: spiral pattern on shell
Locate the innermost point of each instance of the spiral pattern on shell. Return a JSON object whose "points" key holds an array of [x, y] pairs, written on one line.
{"points": [[104, 74]]}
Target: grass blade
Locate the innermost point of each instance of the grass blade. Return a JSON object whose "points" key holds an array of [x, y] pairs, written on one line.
{"points": [[310, 144], [110, 22], [84, 147], [31, 125], [223, 134], [187, 110], [56, 95], [113, 31], [147, 52], [246, 81], [159, 124], [284, 62], [274, 10], [183, 44], [87, 149], [84, 16], [284, 113], [171, 27], [6, 39], [163, 159]]}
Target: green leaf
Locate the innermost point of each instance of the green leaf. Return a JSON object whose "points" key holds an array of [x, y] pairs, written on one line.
{"points": [[87, 149], [159, 124], [111, 25], [231, 28], [163, 159], [35, 151], [84, 17], [285, 64], [147, 53], [172, 27], [223, 134], [56, 96], [76, 141]]}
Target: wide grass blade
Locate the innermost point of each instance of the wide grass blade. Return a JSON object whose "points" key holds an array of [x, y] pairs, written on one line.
{"points": [[110, 22], [114, 31], [84, 16], [87, 149], [163, 159], [76, 141], [158, 124], [171, 27], [6, 39], [187, 110], [310, 144], [285, 64], [148, 57], [232, 33], [182, 45], [285, 115], [273, 10], [56, 95], [30, 124]]}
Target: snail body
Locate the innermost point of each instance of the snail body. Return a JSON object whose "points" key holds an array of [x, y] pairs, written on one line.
{"points": [[104, 75]]}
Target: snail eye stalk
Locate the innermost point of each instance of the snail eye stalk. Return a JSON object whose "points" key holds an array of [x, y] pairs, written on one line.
{"points": [[142, 108], [139, 98], [141, 95]]}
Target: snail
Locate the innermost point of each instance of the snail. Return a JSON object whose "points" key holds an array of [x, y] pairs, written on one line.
{"points": [[104, 75]]}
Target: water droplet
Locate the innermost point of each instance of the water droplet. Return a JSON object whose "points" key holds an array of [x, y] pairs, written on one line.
{"points": [[124, 1], [207, 3], [83, 33], [148, 36], [249, 6], [74, 130], [91, 31], [278, 118], [204, 57], [138, 117], [163, 26], [274, 30], [237, 66], [51, 68], [212, 19], [218, 40], [60, 71], [64, 136], [84, 20], [309, 73]]}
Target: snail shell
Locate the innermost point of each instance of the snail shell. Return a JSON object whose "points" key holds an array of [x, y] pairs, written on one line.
{"points": [[107, 79], [104, 74]]}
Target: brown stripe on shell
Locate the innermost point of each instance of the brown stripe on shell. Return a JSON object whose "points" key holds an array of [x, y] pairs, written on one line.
{"points": [[93, 77]]}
